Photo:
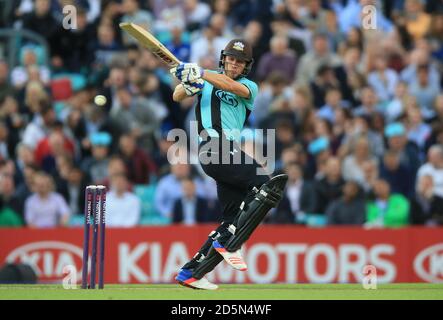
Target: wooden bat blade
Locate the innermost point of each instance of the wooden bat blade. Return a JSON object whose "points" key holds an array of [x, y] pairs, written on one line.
{"points": [[150, 42]]}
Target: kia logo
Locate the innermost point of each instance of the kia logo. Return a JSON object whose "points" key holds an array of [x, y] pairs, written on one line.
{"points": [[48, 258], [429, 264]]}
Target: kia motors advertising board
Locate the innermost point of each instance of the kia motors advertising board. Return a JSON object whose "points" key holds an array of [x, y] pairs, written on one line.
{"points": [[274, 254]]}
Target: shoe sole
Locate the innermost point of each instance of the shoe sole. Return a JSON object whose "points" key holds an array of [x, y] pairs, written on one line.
{"points": [[221, 251], [184, 284], [232, 266]]}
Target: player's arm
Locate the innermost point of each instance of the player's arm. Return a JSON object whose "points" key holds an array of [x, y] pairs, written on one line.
{"points": [[189, 72], [179, 93], [225, 83]]}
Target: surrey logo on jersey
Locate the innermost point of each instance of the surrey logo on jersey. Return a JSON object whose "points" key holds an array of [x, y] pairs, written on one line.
{"points": [[238, 46], [227, 98]]}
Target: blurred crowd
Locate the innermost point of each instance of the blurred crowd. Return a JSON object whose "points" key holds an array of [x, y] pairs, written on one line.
{"points": [[358, 111]]}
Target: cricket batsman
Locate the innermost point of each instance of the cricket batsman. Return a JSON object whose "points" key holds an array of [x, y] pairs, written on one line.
{"points": [[225, 99]]}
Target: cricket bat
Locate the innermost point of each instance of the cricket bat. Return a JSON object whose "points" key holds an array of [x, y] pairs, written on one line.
{"points": [[150, 42]]}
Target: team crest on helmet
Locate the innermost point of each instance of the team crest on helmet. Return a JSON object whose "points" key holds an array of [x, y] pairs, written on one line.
{"points": [[238, 46]]}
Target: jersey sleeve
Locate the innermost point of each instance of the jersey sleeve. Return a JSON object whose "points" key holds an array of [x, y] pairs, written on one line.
{"points": [[208, 71], [253, 91]]}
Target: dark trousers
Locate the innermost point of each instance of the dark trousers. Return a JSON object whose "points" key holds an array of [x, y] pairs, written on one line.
{"points": [[235, 182]]}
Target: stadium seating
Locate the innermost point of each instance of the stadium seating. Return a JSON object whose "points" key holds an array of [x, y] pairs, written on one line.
{"points": [[149, 215]]}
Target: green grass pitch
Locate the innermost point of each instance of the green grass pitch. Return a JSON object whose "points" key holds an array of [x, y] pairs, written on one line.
{"points": [[404, 291]]}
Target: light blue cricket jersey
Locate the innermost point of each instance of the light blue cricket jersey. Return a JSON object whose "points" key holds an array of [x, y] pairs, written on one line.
{"points": [[220, 111]]}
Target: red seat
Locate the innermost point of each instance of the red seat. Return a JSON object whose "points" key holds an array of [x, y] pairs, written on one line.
{"points": [[61, 89]]}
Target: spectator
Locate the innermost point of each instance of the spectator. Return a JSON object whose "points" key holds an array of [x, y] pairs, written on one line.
{"points": [[253, 34], [166, 12], [316, 17], [105, 46], [279, 59], [294, 153], [35, 99], [354, 39], [197, 13], [336, 90], [395, 52], [369, 103], [434, 168], [351, 16], [353, 164], [320, 54], [230, 11], [191, 209], [387, 209], [178, 45], [324, 80], [4, 143], [383, 79], [351, 75], [323, 128], [123, 208], [350, 209], [169, 189], [73, 50], [208, 44], [11, 208], [396, 174], [96, 165], [319, 150], [141, 115], [420, 57], [45, 208], [333, 102], [272, 91], [77, 181], [361, 127], [140, 167], [97, 120], [398, 142], [121, 114], [218, 23], [424, 91], [396, 107], [133, 13], [42, 22], [418, 131], [328, 188], [63, 164], [284, 137], [25, 187], [6, 88], [24, 157], [438, 107], [117, 80], [299, 39], [40, 126], [342, 123], [116, 166], [14, 120], [417, 21], [426, 207], [55, 144], [298, 200], [21, 74]]}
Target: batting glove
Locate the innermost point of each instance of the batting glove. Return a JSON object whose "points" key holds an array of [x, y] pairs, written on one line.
{"points": [[187, 72], [194, 87]]}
